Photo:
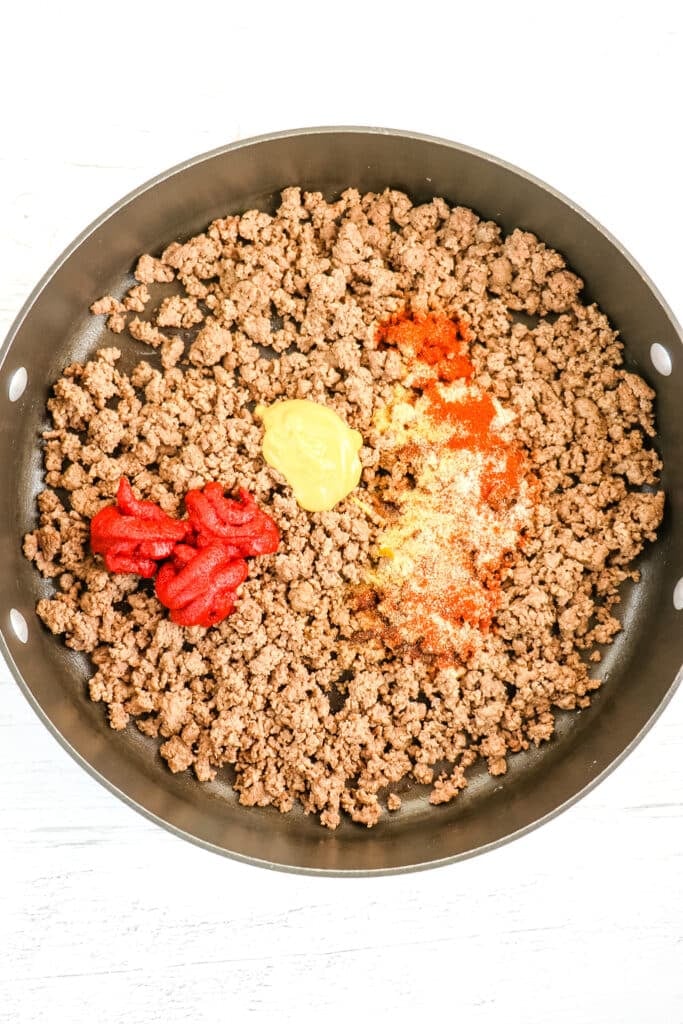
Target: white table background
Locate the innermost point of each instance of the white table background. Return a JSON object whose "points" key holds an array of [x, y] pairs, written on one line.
{"points": [[104, 917]]}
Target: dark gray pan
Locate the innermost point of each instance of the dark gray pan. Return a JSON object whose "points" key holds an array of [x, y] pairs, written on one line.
{"points": [[54, 328]]}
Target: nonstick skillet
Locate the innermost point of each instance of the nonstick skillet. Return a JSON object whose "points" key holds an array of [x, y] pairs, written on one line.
{"points": [[640, 669]]}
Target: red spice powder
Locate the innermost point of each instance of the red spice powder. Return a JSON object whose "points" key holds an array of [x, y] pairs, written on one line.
{"points": [[503, 478], [432, 338]]}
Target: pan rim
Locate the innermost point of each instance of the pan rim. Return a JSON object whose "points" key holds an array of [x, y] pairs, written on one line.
{"points": [[253, 140], [33, 297]]}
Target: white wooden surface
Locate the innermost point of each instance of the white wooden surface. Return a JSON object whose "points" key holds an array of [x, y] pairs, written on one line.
{"points": [[105, 918]]}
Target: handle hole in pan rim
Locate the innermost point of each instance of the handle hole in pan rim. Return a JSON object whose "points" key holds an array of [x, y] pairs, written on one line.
{"points": [[17, 384], [661, 359], [19, 625]]}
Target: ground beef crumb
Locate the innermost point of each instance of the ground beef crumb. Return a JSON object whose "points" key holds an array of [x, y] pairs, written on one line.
{"points": [[177, 754], [137, 298], [149, 270], [175, 311], [114, 311], [286, 692], [212, 343]]}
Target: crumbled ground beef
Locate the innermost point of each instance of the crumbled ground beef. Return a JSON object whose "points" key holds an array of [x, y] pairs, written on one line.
{"points": [[285, 306]]}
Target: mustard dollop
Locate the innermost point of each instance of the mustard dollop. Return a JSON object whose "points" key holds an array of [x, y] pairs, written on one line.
{"points": [[316, 452]]}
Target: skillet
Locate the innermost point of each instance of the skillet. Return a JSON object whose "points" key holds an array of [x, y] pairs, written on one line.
{"points": [[641, 668]]}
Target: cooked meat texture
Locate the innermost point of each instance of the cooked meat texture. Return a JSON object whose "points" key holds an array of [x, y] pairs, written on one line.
{"points": [[286, 306]]}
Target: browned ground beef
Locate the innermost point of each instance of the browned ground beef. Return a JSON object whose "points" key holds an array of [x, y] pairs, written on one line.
{"points": [[281, 690]]}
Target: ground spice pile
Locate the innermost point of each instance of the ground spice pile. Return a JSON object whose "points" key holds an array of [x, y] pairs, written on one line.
{"points": [[467, 500]]}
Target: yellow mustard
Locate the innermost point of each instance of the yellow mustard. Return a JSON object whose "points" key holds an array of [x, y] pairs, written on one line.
{"points": [[313, 449]]}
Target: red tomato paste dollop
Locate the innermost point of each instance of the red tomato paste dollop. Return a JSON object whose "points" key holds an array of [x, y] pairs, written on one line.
{"points": [[199, 562]]}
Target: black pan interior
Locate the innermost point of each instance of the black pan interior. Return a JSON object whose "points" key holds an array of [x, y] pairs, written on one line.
{"points": [[55, 328]]}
